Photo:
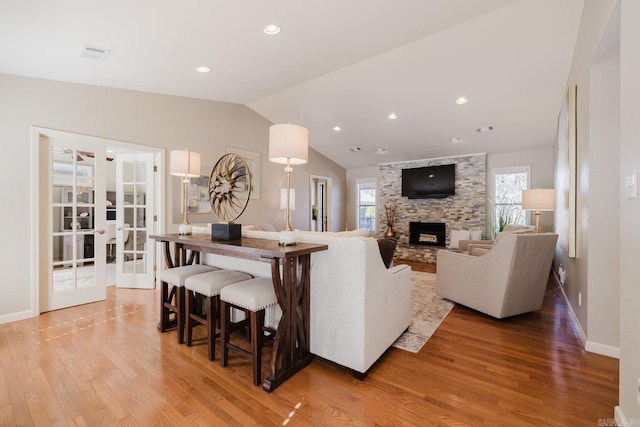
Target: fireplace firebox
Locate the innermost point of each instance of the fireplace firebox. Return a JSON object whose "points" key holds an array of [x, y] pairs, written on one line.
{"points": [[427, 233]]}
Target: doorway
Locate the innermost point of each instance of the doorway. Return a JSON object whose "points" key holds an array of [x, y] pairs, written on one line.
{"points": [[73, 243], [320, 195]]}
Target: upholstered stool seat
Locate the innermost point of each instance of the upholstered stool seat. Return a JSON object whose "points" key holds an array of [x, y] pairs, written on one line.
{"points": [[204, 289], [172, 300], [254, 295]]}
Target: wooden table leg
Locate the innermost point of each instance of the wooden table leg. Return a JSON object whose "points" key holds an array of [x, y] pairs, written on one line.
{"points": [[291, 345]]}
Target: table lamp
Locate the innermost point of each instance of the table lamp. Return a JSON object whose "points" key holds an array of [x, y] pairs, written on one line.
{"points": [[538, 200], [283, 202], [288, 144], [186, 164]]}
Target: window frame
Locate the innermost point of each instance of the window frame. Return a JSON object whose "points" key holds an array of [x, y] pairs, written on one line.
{"points": [[492, 190], [360, 182]]}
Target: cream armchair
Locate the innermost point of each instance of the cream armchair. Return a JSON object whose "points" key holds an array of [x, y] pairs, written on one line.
{"points": [[509, 279], [480, 247]]}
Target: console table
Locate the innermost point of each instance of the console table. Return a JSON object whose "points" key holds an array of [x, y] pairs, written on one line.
{"points": [[291, 346]]}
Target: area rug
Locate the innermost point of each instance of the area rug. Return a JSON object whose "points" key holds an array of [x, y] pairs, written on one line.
{"points": [[427, 312]]}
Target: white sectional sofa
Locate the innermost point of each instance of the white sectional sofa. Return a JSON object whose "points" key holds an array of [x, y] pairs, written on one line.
{"points": [[358, 307]]}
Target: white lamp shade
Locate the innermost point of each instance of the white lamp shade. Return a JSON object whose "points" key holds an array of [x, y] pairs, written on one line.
{"points": [[290, 143], [539, 199], [292, 199], [184, 163]]}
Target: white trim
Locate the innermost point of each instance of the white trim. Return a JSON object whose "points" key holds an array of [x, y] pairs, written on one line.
{"points": [[433, 158], [491, 190], [36, 133], [34, 235], [574, 318], [14, 317], [603, 349], [621, 418], [590, 346], [359, 181]]}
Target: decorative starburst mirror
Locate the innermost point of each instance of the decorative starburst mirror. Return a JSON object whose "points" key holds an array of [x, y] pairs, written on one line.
{"points": [[229, 187]]}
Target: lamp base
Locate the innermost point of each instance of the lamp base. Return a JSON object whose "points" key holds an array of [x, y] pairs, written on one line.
{"points": [[185, 229], [287, 238]]}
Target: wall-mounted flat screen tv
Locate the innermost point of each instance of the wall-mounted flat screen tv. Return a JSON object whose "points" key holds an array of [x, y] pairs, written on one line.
{"points": [[429, 182]]}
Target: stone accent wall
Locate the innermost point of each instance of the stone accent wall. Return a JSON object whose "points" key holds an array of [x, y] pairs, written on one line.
{"points": [[464, 211]]}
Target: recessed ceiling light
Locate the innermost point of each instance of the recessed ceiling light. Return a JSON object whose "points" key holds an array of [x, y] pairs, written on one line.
{"points": [[337, 128], [203, 69], [272, 29], [355, 149], [484, 129], [455, 139], [392, 116], [462, 100]]}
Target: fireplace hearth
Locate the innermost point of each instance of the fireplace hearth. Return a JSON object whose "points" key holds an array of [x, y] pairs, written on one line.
{"points": [[427, 233]]}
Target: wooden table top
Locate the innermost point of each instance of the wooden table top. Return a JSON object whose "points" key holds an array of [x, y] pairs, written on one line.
{"points": [[246, 247]]}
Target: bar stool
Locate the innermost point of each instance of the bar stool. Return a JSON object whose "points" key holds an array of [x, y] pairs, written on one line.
{"points": [[176, 277], [254, 295], [207, 286]]}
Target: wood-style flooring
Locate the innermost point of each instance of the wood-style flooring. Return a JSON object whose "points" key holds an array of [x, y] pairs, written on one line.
{"points": [[105, 364]]}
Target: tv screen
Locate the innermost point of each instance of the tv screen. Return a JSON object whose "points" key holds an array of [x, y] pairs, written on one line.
{"points": [[429, 182]]}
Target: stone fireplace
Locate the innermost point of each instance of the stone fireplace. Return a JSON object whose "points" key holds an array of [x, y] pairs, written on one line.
{"points": [[427, 233], [463, 211]]}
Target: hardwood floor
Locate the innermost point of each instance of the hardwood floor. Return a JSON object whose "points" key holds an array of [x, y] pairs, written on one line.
{"points": [[106, 364]]}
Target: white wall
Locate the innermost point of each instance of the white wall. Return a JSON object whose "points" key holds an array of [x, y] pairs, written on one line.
{"points": [[604, 236], [629, 210], [594, 20], [162, 121]]}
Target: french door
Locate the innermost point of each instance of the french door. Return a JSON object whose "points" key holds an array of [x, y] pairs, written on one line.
{"points": [[135, 203], [72, 199]]}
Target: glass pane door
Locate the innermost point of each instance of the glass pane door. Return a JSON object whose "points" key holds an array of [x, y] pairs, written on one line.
{"points": [[76, 264], [135, 188]]}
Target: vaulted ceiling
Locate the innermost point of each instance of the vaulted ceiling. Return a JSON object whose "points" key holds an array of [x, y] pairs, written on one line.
{"points": [[334, 63]]}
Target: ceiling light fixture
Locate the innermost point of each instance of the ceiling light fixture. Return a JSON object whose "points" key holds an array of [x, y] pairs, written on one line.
{"points": [[337, 128], [392, 116], [455, 139], [203, 69], [462, 100], [355, 149], [381, 151], [272, 29], [484, 129]]}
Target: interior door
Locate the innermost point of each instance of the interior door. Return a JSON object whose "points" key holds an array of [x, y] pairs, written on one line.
{"points": [[73, 203], [135, 209]]}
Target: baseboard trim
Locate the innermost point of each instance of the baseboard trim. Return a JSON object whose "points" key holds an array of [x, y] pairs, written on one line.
{"points": [[603, 349], [621, 419], [574, 318], [13, 317]]}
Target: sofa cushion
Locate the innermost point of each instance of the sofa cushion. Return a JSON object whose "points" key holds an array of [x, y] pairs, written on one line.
{"points": [[456, 236], [476, 235]]}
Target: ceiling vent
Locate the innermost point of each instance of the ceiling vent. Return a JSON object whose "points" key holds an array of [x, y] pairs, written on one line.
{"points": [[93, 52], [484, 129]]}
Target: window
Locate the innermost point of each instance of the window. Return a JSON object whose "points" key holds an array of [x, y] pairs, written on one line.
{"points": [[367, 204], [508, 184]]}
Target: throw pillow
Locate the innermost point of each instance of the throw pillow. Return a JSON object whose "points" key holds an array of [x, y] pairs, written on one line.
{"points": [[476, 234], [456, 236]]}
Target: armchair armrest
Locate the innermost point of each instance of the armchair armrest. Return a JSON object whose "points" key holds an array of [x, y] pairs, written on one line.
{"points": [[478, 250], [463, 245]]}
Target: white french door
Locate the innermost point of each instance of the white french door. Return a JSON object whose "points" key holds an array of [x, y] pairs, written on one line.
{"points": [[72, 199], [135, 210]]}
